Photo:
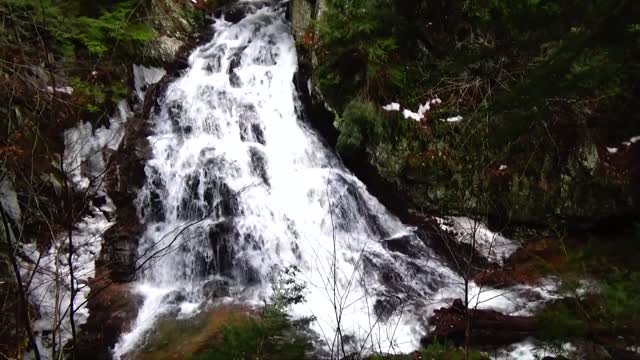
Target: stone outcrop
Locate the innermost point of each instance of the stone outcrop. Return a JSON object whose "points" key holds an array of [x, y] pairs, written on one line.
{"points": [[112, 305], [172, 21], [125, 178]]}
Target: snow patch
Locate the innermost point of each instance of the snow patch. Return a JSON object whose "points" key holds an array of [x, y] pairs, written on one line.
{"points": [[51, 279], [453, 119], [492, 245], [394, 106], [84, 146], [50, 269], [408, 114], [612, 150], [60, 89]]}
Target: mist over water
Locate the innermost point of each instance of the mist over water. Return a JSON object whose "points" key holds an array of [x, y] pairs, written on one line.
{"points": [[240, 187]]}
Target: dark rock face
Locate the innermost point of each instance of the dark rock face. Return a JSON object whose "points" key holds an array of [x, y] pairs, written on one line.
{"points": [[220, 237], [401, 245], [120, 244], [155, 211], [226, 243], [235, 12], [231, 14], [217, 198], [234, 79], [259, 165], [217, 288], [112, 307], [112, 304], [125, 178]]}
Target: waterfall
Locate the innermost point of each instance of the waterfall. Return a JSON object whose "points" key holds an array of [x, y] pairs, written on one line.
{"points": [[240, 187]]}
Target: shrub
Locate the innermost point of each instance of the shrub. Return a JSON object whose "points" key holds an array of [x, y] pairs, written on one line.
{"points": [[360, 124], [273, 334]]}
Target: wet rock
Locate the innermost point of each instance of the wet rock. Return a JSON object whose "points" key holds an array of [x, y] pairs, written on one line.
{"points": [[232, 14], [402, 245], [259, 165], [190, 207], [386, 306], [258, 133], [112, 311], [99, 201], [235, 62], [217, 288], [119, 248], [175, 297], [125, 177], [227, 204], [349, 206], [154, 209], [220, 237], [216, 199], [126, 165]]}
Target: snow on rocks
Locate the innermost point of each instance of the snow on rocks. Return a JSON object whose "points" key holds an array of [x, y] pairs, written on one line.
{"points": [[408, 114], [414, 115], [60, 89], [394, 106], [84, 145], [628, 143], [492, 245], [423, 109], [50, 284], [49, 268], [453, 119]]}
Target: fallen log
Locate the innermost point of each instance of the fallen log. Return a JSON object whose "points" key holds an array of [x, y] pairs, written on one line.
{"points": [[488, 327]]}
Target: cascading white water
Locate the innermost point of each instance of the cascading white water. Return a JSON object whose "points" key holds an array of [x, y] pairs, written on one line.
{"points": [[240, 187]]}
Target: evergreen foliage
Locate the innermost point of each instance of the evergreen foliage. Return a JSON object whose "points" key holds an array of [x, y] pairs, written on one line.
{"points": [[359, 124], [74, 27]]}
